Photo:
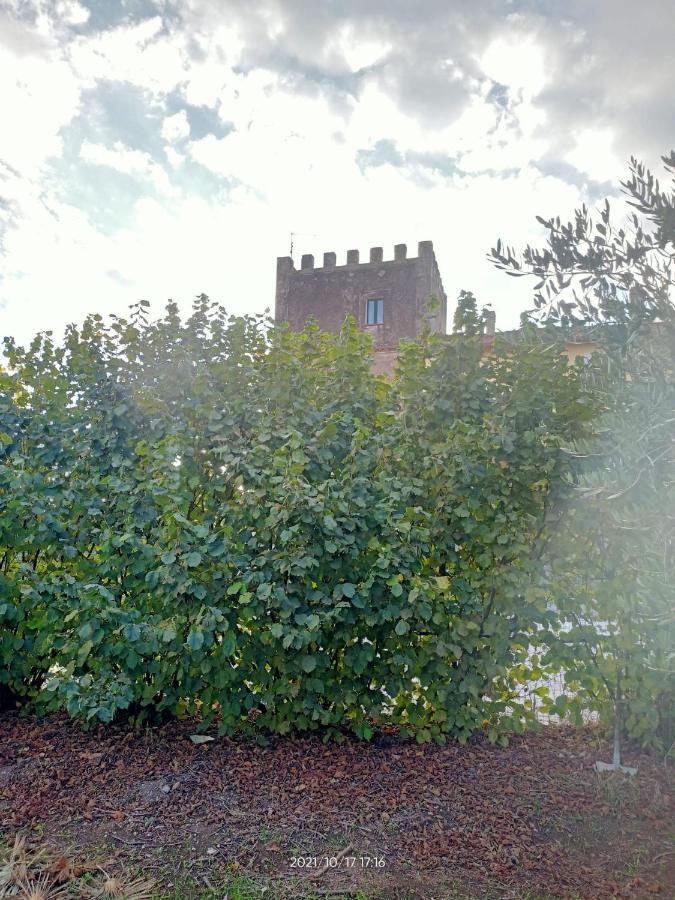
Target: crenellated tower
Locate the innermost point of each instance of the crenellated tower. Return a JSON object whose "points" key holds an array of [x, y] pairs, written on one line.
{"points": [[390, 298]]}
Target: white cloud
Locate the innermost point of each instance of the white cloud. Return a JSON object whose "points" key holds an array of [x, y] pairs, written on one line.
{"points": [[70, 12], [518, 61], [174, 158], [176, 127], [281, 142], [131, 162], [208, 75], [140, 54], [594, 154], [39, 96], [358, 52]]}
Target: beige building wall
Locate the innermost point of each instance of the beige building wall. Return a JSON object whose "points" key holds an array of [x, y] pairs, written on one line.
{"points": [[384, 361], [581, 348]]}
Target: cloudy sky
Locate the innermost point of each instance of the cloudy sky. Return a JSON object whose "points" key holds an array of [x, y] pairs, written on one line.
{"points": [[161, 148]]}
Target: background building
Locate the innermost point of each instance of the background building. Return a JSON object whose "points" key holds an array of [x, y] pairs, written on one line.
{"points": [[390, 299]]}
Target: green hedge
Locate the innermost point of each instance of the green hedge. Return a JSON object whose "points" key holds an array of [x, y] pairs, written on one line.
{"points": [[222, 518]]}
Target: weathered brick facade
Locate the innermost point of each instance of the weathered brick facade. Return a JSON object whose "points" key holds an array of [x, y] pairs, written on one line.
{"points": [[330, 292]]}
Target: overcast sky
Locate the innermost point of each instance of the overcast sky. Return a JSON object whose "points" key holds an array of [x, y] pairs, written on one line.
{"points": [[163, 148]]}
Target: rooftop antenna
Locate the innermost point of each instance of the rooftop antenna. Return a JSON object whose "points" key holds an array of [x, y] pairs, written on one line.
{"points": [[295, 234]]}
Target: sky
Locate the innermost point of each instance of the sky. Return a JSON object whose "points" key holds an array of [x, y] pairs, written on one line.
{"points": [[156, 149]]}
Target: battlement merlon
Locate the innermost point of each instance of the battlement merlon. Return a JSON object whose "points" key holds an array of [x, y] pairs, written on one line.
{"points": [[425, 250], [285, 270]]}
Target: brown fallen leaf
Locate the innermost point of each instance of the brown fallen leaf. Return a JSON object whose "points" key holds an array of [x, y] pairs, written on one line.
{"points": [[64, 869]]}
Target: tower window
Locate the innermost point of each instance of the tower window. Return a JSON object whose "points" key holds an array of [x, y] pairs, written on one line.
{"points": [[375, 313]]}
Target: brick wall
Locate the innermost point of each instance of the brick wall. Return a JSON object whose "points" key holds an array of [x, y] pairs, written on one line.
{"points": [[331, 292]]}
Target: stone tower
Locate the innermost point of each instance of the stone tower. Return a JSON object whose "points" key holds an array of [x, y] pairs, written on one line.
{"points": [[388, 298]]}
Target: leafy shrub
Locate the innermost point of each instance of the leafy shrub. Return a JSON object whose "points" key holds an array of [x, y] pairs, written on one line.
{"points": [[212, 517]]}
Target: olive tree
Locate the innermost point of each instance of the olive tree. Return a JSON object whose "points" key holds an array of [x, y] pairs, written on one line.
{"points": [[611, 570]]}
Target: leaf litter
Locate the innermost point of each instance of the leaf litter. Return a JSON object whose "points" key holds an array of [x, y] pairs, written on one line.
{"points": [[533, 814]]}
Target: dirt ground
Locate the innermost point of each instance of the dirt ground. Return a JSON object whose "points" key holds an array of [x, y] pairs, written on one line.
{"points": [[299, 818]]}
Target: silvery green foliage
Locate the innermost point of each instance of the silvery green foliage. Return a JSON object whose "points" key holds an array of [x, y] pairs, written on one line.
{"points": [[613, 563]]}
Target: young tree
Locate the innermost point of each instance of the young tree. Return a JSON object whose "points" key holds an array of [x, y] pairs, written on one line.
{"points": [[467, 320], [612, 571]]}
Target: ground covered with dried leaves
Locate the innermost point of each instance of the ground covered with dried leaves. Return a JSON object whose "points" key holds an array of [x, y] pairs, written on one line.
{"points": [[299, 818]]}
